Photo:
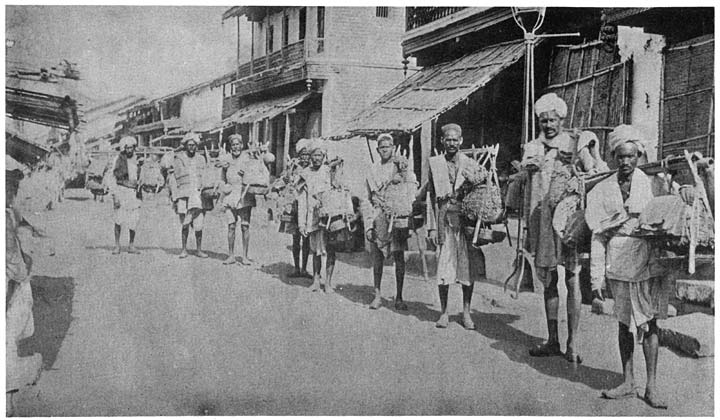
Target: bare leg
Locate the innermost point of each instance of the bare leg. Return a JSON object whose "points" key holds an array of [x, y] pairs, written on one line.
{"points": [[443, 321], [329, 268], [198, 243], [552, 346], [650, 350], [317, 266], [305, 253], [131, 247], [245, 231], [399, 257], [296, 254], [377, 262], [184, 232], [627, 347], [574, 299], [231, 244], [118, 229], [467, 299]]}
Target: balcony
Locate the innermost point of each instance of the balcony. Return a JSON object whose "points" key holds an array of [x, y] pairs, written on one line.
{"points": [[419, 16], [286, 65]]}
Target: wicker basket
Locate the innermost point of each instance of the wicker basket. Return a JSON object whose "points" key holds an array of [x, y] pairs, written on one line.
{"points": [[256, 189]]}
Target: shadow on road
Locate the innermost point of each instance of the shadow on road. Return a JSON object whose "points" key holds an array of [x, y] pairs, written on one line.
{"points": [[170, 251], [281, 270], [515, 344], [76, 198], [363, 295], [52, 312]]}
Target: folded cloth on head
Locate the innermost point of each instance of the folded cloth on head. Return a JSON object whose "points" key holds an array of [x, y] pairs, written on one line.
{"points": [[605, 208]]}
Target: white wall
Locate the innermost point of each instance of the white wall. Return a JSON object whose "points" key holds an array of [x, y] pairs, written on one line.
{"points": [[646, 52]]}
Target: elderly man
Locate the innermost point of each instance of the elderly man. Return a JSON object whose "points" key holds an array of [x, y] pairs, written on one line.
{"points": [[289, 181], [185, 179], [541, 159], [458, 262], [316, 180], [624, 261], [238, 204], [381, 246], [126, 193]]}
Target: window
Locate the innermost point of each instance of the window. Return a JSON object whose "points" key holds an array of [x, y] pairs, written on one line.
{"points": [[382, 12], [303, 21], [271, 30], [285, 30], [321, 22]]}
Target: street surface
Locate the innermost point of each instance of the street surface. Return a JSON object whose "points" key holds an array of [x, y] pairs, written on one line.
{"points": [[150, 334]]}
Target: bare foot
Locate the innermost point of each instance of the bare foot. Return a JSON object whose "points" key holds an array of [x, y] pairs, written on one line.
{"points": [[442, 322], [245, 261], [546, 350], [376, 303], [468, 323], [201, 254], [653, 400], [183, 254], [133, 250], [116, 250], [625, 390], [229, 260], [315, 286]]}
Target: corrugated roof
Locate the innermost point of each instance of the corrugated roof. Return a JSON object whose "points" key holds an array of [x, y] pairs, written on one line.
{"points": [[266, 109], [434, 90]]}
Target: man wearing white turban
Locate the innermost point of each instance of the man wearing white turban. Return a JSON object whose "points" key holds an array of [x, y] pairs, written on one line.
{"points": [[316, 181], [624, 262], [126, 193], [185, 179], [288, 185]]}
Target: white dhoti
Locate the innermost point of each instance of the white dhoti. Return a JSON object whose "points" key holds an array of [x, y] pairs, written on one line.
{"points": [[453, 262], [127, 207]]}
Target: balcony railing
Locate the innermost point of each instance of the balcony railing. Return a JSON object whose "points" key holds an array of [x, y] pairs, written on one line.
{"points": [[286, 56], [419, 16]]}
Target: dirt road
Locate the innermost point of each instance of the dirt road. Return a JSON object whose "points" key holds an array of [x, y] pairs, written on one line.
{"points": [[155, 335]]}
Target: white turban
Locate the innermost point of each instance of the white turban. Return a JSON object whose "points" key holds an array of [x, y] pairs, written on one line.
{"points": [[625, 134], [551, 102], [127, 141], [301, 145], [585, 138], [317, 144], [191, 136]]}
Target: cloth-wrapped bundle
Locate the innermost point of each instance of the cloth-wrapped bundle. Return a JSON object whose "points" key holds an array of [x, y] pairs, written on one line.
{"points": [[670, 218], [335, 208], [151, 177], [256, 177]]}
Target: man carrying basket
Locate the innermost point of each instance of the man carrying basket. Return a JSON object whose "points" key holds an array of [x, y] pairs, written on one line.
{"points": [[185, 181], [126, 192], [384, 238], [459, 261]]}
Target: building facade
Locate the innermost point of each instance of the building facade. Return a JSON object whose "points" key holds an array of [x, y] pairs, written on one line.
{"points": [[311, 69]]}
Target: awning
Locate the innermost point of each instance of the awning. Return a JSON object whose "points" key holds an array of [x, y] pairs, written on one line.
{"points": [[434, 90], [266, 109], [40, 108]]}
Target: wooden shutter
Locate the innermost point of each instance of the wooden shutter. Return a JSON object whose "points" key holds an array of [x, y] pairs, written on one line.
{"points": [[595, 86], [687, 101]]}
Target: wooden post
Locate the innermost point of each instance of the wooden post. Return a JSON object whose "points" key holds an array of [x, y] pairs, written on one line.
{"points": [[286, 141], [267, 38], [425, 148], [237, 64], [252, 47]]}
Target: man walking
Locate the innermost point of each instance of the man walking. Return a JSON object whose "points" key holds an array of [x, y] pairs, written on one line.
{"points": [[125, 193], [382, 244], [185, 179], [458, 262]]}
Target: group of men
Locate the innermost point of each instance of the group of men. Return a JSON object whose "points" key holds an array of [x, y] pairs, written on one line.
{"points": [[619, 260], [551, 165], [192, 188]]}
